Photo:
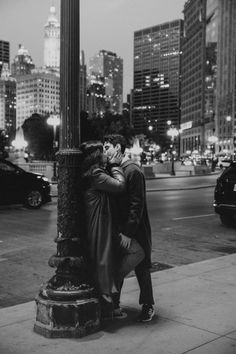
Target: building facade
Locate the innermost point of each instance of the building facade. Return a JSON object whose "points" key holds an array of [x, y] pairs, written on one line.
{"points": [[156, 89], [4, 54], [108, 66], [38, 92], [22, 63], [209, 77], [226, 78], [52, 41], [7, 102], [193, 77]]}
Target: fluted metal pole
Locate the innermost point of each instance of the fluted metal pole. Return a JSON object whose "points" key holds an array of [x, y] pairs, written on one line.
{"points": [[67, 305]]}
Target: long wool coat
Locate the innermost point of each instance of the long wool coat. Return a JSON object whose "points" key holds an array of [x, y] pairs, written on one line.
{"points": [[99, 224], [130, 210]]}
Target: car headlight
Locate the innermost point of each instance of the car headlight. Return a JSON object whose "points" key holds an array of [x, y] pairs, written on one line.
{"points": [[45, 179]]}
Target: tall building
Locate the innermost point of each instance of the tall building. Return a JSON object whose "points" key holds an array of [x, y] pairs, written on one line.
{"points": [[22, 63], [96, 96], [37, 92], [226, 78], [193, 76], [156, 91], [109, 66], [209, 77], [4, 54], [7, 102], [52, 41]]}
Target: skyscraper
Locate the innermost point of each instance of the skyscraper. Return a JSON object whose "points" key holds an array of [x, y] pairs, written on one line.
{"points": [[156, 94], [209, 77], [4, 54], [193, 76], [109, 66], [37, 92], [52, 41], [7, 102], [226, 78], [22, 63]]}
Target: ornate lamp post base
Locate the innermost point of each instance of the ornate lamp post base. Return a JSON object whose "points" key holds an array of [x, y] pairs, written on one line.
{"points": [[67, 319]]}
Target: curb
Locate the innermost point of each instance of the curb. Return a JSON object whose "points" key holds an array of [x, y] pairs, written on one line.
{"points": [[179, 189]]}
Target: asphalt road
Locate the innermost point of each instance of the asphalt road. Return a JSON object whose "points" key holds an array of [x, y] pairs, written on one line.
{"points": [[185, 230]]}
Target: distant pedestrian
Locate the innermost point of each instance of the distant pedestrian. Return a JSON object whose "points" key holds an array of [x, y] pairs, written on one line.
{"points": [[131, 218]]}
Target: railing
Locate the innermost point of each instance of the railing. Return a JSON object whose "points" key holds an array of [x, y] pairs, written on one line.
{"points": [[42, 167]]}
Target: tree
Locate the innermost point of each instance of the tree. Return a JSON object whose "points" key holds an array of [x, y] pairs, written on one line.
{"points": [[39, 136]]}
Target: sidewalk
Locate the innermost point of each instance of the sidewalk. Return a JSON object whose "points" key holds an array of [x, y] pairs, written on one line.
{"points": [[196, 315]]}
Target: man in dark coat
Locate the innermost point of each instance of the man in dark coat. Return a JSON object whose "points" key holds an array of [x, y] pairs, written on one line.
{"points": [[131, 217]]}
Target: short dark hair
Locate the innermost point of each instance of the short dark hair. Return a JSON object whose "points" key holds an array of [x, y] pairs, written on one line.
{"points": [[115, 139]]}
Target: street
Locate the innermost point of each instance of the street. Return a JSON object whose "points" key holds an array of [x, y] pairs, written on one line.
{"points": [[184, 226]]}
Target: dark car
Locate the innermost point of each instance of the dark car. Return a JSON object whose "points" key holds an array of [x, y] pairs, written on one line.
{"points": [[20, 187], [225, 195]]}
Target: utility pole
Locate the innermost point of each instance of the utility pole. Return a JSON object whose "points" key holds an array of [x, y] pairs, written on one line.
{"points": [[67, 305]]}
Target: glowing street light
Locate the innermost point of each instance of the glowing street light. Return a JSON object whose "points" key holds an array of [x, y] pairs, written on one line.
{"points": [[173, 133], [54, 120]]}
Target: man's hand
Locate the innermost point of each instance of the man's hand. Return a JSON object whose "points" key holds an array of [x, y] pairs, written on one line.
{"points": [[125, 241], [115, 159]]}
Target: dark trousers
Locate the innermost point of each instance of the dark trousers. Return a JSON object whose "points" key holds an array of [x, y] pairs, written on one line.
{"points": [[145, 284], [134, 257]]}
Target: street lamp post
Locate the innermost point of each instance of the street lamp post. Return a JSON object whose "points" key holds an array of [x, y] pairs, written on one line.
{"points": [[172, 132], [54, 121], [67, 305], [212, 140]]}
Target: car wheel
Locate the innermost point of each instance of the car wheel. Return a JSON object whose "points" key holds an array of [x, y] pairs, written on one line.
{"points": [[33, 199], [227, 220]]}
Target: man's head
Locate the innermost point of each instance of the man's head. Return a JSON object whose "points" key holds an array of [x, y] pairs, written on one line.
{"points": [[114, 143]]}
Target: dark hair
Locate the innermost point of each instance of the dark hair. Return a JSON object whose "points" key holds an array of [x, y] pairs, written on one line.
{"points": [[92, 156], [116, 139]]}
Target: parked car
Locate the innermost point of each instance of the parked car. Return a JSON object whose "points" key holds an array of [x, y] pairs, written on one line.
{"points": [[224, 163], [20, 187], [225, 195]]}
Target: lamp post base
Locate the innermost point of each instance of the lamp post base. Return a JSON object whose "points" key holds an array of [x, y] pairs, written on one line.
{"points": [[67, 319]]}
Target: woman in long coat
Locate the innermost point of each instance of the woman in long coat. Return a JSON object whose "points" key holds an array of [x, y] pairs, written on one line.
{"points": [[98, 184]]}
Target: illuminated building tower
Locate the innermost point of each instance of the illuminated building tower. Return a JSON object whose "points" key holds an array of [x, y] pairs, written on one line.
{"points": [[193, 77], [109, 66], [52, 41], [22, 63], [226, 78], [4, 54], [209, 77], [96, 96], [37, 92], [7, 102], [156, 91]]}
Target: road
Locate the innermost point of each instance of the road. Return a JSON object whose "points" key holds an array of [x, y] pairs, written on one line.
{"points": [[185, 230]]}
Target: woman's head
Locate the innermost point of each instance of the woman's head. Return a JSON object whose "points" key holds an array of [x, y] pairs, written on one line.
{"points": [[92, 155]]}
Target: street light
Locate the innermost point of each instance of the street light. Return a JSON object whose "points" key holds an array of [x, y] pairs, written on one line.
{"points": [[173, 133], [54, 120]]}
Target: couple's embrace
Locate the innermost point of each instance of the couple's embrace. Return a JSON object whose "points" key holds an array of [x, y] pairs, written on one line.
{"points": [[117, 225]]}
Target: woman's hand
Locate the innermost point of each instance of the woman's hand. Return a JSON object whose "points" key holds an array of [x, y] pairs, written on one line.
{"points": [[115, 159]]}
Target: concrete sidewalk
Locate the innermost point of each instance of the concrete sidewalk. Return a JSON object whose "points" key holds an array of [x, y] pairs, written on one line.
{"points": [[196, 314]]}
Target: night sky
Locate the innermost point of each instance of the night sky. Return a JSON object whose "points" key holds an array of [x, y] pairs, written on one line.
{"points": [[105, 24]]}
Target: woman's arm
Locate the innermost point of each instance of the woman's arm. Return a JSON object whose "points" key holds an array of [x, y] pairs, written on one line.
{"points": [[114, 183]]}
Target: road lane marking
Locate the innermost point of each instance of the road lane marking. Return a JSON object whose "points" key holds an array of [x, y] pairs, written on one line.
{"points": [[193, 217]]}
